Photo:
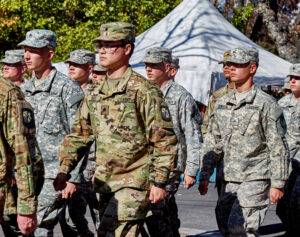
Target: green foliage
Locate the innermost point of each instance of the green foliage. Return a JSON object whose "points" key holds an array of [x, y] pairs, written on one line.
{"points": [[76, 22], [241, 16]]}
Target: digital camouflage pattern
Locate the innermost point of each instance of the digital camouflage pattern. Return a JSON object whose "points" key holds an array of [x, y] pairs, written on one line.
{"points": [[124, 121], [17, 138], [251, 136], [39, 38], [99, 68], [13, 56], [294, 70], [175, 62], [81, 56], [158, 55], [241, 55], [186, 121], [114, 31]]}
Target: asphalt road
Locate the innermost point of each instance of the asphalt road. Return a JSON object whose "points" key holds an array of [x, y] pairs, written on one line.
{"points": [[198, 218]]}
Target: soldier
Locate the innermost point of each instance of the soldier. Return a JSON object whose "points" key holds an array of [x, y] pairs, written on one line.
{"points": [[135, 141], [55, 99], [17, 138], [80, 64], [98, 73], [288, 206], [246, 126], [161, 70], [13, 68]]}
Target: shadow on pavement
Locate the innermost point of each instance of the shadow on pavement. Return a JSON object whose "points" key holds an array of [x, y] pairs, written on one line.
{"points": [[271, 229], [213, 233]]}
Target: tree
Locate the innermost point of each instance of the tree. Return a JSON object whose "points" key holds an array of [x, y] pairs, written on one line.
{"points": [[76, 22]]}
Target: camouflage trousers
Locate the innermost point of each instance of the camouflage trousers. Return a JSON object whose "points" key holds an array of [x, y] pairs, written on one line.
{"points": [[165, 215], [241, 207], [75, 223], [122, 213], [288, 208]]}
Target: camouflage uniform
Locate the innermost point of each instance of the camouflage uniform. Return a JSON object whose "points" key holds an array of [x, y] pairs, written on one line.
{"points": [[135, 142], [76, 223], [288, 208], [18, 147], [249, 133], [55, 100], [186, 120]]}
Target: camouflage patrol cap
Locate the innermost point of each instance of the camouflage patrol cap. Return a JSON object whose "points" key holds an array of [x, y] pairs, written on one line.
{"points": [[99, 68], [115, 31], [81, 56], [175, 62], [241, 55], [294, 70], [39, 38], [13, 56], [158, 55]]}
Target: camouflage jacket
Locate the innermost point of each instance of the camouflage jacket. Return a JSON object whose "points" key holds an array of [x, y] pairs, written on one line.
{"points": [[55, 102], [291, 111], [186, 120], [251, 136], [133, 130], [17, 142]]}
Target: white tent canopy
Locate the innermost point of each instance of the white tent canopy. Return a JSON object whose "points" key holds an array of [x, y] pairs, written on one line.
{"points": [[198, 34]]}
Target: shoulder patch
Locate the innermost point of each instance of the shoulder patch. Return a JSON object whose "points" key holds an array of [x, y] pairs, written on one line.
{"points": [[165, 113], [28, 118]]}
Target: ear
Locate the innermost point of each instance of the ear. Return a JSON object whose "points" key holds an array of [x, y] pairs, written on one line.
{"points": [[90, 68], [253, 68], [128, 49], [50, 54]]}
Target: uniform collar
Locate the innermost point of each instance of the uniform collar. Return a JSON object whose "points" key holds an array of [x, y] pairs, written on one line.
{"points": [[249, 98], [166, 87]]}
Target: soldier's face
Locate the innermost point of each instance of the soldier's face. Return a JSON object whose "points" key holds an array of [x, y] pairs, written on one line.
{"points": [[13, 72], [226, 71], [295, 84], [79, 72], [37, 59], [158, 72], [97, 76], [113, 54], [240, 73]]}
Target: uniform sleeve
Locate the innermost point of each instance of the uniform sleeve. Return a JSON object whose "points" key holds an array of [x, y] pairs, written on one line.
{"points": [[160, 134], [276, 141], [293, 134], [77, 143], [190, 120], [207, 114], [16, 120], [212, 149]]}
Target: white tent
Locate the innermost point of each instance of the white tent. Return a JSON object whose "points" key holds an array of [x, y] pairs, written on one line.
{"points": [[198, 34]]}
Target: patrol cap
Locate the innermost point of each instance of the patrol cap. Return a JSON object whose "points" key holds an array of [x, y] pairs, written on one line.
{"points": [[13, 56], [39, 38], [294, 70], [99, 68], [158, 55], [241, 55], [115, 31], [175, 62], [81, 56]]}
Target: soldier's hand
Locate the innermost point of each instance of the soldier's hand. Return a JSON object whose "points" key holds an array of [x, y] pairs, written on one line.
{"points": [[27, 223], [188, 181], [275, 195], [157, 194], [203, 187], [69, 190], [60, 182]]}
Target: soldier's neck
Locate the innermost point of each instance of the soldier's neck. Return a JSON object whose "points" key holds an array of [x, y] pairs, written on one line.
{"points": [[296, 96], [117, 73], [245, 86], [40, 74]]}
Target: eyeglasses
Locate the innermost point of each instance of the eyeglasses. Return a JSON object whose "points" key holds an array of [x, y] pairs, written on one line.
{"points": [[294, 78]]}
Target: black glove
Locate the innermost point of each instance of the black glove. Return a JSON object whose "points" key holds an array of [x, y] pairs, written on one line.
{"points": [[60, 182]]}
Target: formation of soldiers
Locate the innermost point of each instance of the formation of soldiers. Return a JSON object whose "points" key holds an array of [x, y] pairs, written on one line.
{"points": [[106, 140]]}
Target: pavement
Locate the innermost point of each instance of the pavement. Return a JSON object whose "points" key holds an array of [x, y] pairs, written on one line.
{"points": [[198, 218]]}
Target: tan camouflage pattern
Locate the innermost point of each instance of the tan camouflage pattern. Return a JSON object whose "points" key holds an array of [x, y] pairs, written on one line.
{"points": [[81, 56], [13, 56], [39, 38], [17, 137], [291, 112], [294, 70], [251, 136], [158, 55], [241, 55], [115, 31], [133, 131]]}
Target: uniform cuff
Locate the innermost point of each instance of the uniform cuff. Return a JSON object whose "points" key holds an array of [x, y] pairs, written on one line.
{"points": [[63, 169], [191, 170], [277, 184], [28, 207]]}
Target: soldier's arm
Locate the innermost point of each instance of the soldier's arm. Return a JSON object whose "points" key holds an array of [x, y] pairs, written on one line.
{"points": [[159, 131], [17, 119], [77, 143], [190, 120], [276, 142]]}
